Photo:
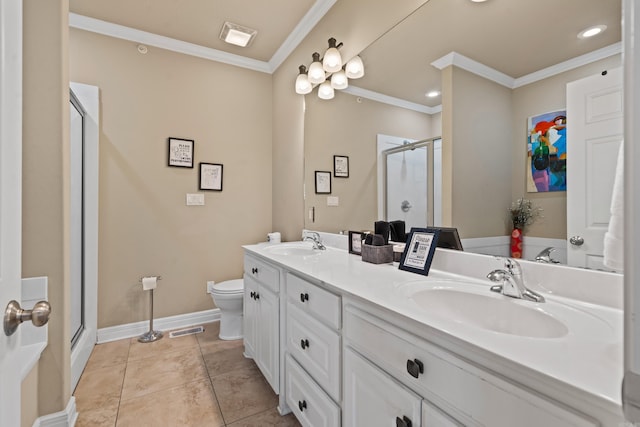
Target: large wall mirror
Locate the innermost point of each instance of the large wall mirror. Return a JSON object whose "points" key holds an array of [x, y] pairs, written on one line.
{"points": [[481, 113]]}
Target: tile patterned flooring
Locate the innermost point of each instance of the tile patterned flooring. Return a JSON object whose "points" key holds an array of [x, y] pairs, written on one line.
{"points": [[194, 380]]}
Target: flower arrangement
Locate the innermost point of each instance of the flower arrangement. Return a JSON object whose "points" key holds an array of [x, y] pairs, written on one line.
{"points": [[524, 213]]}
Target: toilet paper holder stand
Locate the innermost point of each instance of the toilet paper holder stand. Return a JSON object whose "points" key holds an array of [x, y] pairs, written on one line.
{"points": [[150, 335]]}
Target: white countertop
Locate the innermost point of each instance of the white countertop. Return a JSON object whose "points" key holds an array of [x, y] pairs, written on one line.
{"points": [[588, 358]]}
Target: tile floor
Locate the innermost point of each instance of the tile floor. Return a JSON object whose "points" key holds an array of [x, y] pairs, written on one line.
{"points": [[195, 380]]}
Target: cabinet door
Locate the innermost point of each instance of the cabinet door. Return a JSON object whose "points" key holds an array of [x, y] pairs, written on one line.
{"points": [[373, 398], [249, 319], [268, 337], [434, 417]]}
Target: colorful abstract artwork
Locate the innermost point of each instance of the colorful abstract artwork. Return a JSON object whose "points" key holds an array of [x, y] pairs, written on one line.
{"points": [[547, 152]]}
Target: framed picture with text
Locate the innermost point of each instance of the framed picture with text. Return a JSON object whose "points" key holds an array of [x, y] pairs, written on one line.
{"points": [[355, 242], [418, 253], [323, 182], [210, 176], [180, 152], [341, 166]]}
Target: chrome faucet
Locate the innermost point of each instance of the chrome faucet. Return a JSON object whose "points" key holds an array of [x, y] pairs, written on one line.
{"points": [[512, 282], [315, 238], [545, 256]]}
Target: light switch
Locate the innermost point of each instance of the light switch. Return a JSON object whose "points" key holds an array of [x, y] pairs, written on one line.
{"points": [[196, 199], [333, 201]]}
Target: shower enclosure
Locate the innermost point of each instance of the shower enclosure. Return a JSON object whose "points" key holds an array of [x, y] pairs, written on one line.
{"points": [[412, 182]]}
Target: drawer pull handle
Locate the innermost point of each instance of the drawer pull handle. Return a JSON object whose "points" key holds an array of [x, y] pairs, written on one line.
{"points": [[254, 270], [252, 294], [304, 343], [415, 367], [302, 404], [403, 422], [304, 297], [256, 296]]}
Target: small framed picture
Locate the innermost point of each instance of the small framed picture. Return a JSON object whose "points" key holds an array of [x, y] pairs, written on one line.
{"points": [[210, 176], [180, 152], [341, 166], [418, 253], [355, 242], [323, 182]]}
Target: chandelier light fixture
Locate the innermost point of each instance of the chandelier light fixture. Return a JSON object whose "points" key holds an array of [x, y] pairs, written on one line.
{"points": [[328, 73]]}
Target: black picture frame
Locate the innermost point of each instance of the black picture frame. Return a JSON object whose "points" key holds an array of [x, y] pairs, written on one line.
{"points": [[418, 252], [341, 166], [180, 152], [356, 239], [323, 182], [210, 176]]}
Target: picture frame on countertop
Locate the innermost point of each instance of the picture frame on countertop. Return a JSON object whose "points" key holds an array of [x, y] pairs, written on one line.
{"points": [[418, 252], [341, 166], [356, 238], [180, 152], [210, 176], [323, 182]]}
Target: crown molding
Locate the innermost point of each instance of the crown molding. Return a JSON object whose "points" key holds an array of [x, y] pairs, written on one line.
{"points": [[569, 64], [475, 67], [461, 61], [126, 33], [304, 27], [385, 99]]}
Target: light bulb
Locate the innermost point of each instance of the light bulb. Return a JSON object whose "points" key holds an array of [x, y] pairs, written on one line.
{"points": [[303, 86], [316, 72], [339, 80], [354, 68], [325, 91], [302, 81], [332, 61]]}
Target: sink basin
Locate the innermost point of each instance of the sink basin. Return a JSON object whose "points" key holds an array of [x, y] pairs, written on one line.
{"points": [[293, 249], [495, 313]]}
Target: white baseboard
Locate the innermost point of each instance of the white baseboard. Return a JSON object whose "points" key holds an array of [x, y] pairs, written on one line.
{"points": [[131, 330], [66, 418]]}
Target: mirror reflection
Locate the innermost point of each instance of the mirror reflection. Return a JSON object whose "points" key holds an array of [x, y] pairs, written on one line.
{"points": [[492, 67]]}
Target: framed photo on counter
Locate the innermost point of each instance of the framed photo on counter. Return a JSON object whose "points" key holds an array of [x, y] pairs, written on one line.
{"points": [[418, 253], [355, 242]]}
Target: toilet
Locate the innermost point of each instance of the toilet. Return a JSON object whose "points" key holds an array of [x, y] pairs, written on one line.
{"points": [[227, 296]]}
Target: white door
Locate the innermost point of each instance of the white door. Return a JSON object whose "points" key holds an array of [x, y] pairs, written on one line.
{"points": [[10, 200], [594, 134]]}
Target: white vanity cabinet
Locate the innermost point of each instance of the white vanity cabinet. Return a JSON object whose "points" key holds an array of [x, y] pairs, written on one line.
{"points": [[313, 366], [454, 391], [261, 320]]}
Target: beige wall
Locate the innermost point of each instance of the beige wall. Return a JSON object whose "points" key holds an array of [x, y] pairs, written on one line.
{"points": [[344, 126], [45, 194], [533, 99], [145, 227], [476, 154]]}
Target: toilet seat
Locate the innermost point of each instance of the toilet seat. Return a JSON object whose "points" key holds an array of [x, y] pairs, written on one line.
{"points": [[235, 286]]}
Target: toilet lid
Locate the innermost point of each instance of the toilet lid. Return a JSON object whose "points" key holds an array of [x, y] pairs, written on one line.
{"points": [[229, 287]]}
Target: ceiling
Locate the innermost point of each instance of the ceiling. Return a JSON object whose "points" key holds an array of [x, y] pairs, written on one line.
{"points": [[516, 38]]}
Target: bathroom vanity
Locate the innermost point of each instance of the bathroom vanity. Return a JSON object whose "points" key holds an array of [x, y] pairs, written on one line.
{"points": [[344, 342]]}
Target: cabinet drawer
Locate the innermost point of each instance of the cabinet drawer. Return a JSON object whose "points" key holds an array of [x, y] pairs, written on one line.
{"points": [[449, 383], [306, 399], [314, 300], [316, 348], [373, 398], [262, 272]]}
